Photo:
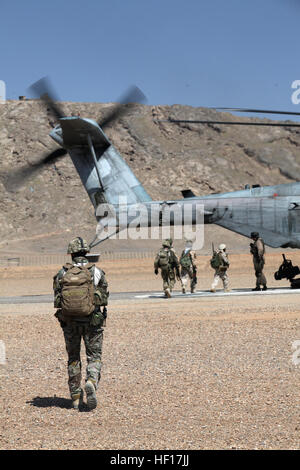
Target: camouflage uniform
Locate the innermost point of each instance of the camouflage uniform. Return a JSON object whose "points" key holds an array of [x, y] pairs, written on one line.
{"points": [[188, 270], [221, 271], [257, 248], [174, 265], [89, 328], [93, 338], [167, 270]]}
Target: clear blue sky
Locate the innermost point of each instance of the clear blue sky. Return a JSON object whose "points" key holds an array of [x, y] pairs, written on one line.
{"points": [[242, 53]]}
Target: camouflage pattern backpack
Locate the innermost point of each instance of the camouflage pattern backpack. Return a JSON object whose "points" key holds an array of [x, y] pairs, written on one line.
{"points": [[164, 257], [77, 291], [216, 261], [185, 260]]}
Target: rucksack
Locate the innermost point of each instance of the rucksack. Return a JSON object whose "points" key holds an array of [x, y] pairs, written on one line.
{"points": [[185, 260], [163, 258], [77, 291], [215, 261]]}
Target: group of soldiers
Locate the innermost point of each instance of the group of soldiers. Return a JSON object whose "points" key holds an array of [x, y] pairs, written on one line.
{"points": [[184, 268], [81, 295]]}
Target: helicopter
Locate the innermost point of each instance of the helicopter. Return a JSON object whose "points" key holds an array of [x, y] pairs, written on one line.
{"points": [[273, 211]]}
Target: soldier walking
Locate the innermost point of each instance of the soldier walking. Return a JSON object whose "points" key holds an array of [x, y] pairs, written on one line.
{"points": [[220, 263], [257, 248], [188, 269], [167, 261], [80, 295]]}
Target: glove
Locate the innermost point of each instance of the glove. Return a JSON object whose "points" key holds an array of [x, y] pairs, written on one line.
{"points": [[156, 271]]}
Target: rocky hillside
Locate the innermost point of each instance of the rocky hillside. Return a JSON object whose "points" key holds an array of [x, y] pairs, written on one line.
{"points": [[165, 157]]}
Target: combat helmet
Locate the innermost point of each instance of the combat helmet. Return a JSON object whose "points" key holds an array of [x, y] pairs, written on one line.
{"points": [[77, 245], [166, 243], [222, 247]]}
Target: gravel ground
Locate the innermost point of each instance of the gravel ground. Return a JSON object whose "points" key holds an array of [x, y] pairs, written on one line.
{"points": [[215, 373]]}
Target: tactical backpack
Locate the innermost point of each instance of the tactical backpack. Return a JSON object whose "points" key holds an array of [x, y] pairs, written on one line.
{"points": [[77, 291], [215, 261], [185, 260], [163, 258]]}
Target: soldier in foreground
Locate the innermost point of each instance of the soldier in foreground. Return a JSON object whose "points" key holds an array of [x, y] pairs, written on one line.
{"points": [[80, 291], [167, 261], [188, 269], [220, 263], [257, 248]]}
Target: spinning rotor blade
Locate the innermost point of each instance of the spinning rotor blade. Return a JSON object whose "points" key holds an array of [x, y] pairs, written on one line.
{"points": [[42, 89], [13, 180], [265, 111], [231, 123], [133, 95], [50, 158]]}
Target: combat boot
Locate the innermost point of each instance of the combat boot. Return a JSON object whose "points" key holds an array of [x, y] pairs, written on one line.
{"points": [[168, 293], [183, 290], [256, 289], [265, 288], [77, 400], [91, 399], [212, 290]]}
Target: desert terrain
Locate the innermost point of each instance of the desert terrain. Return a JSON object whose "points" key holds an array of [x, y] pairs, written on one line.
{"points": [[216, 372], [166, 157], [181, 373]]}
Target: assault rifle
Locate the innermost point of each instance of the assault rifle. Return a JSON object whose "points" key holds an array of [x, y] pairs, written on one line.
{"points": [[103, 311], [254, 250], [195, 274]]}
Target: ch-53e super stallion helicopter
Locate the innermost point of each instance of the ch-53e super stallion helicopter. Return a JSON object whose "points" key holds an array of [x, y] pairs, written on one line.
{"points": [[273, 211]]}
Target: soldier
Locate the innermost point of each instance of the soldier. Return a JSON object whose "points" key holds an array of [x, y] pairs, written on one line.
{"points": [[170, 240], [188, 269], [167, 261], [80, 290], [258, 252], [172, 249], [220, 263]]}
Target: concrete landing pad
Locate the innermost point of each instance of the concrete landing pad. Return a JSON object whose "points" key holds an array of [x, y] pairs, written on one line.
{"points": [[48, 298], [221, 293]]}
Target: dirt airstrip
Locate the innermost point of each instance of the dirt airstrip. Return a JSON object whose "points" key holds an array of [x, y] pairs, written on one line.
{"points": [[184, 373]]}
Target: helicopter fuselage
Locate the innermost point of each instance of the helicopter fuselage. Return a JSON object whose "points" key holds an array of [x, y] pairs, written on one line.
{"points": [[273, 211]]}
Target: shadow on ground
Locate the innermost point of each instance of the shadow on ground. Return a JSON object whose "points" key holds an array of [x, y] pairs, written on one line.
{"points": [[58, 402], [47, 402]]}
